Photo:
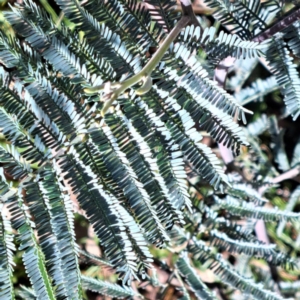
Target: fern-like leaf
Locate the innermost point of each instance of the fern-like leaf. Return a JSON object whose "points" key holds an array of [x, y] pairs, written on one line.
{"points": [[190, 276], [203, 253], [286, 74], [267, 252], [220, 46], [257, 90], [6, 257], [44, 199], [242, 208], [243, 16], [26, 293], [32, 257], [106, 288], [258, 126], [161, 12]]}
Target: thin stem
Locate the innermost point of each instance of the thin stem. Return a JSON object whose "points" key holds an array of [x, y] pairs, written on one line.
{"points": [[287, 175], [197, 10], [152, 63], [164, 291], [165, 46], [49, 9], [290, 174]]}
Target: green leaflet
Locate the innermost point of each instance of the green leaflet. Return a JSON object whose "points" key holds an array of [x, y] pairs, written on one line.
{"points": [[26, 293], [161, 12], [257, 90], [118, 133], [101, 38], [259, 126], [170, 173], [252, 249], [197, 154], [220, 46]]}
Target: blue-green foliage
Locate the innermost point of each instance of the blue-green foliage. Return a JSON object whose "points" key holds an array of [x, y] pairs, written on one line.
{"points": [[129, 169]]}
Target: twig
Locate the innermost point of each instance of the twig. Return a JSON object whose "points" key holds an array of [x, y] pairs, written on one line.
{"points": [[188, 17], [197, 10], [164, 291], [49, 9], [279, 26], [59, 19], [285, 176]]}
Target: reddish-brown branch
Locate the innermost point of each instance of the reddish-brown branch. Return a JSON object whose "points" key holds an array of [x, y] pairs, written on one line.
{"points": [[292, 16], [279, 26]]}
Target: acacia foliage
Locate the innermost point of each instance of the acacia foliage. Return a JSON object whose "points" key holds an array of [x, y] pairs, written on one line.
{"points": [[129, 168]]}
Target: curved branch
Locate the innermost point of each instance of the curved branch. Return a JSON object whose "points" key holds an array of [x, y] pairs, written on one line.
{"points": [[188, 18]]}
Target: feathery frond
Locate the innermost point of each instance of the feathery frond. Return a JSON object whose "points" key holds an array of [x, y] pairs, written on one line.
{"points": [[259, 126], [33, 257], [257, 90], [6, 257], [161, 12], [220, 46], [107, 289], [198, 287], [285, 73], [252, 249], [112, 113], [242, 208], [243, 16], [230, 276]]}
